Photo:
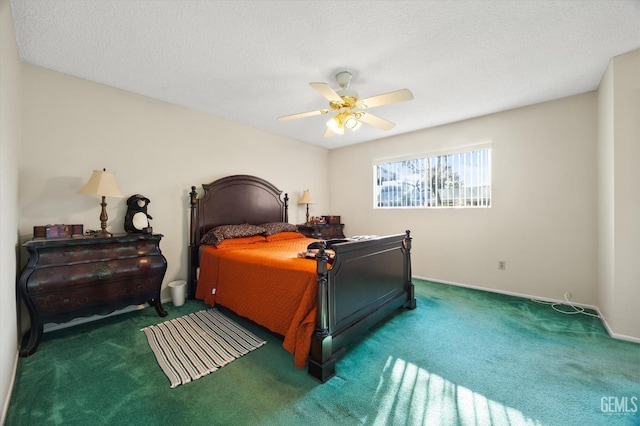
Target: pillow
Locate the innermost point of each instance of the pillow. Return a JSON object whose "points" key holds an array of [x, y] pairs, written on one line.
{"points": [[284, 236], [276, 227], [236, 242], [219, 233]]}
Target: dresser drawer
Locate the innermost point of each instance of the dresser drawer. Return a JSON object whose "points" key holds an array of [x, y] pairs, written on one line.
{"points": [[55, 279], [85, 253], [80, 298], [322, 231]]}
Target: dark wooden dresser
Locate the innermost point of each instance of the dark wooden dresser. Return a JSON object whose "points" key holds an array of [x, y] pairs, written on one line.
{"points": [[67, 278], [322, 231]]}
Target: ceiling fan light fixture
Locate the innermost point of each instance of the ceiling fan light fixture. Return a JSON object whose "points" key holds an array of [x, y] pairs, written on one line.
{"points": [[351, 122], [344, 120], [336, 125]]}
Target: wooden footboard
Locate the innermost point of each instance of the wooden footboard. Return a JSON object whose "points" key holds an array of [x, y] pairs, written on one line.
{"points": [[368, 280]]}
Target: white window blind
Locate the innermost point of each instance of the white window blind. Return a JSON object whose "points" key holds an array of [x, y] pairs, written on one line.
{"points": [[461, 179]]}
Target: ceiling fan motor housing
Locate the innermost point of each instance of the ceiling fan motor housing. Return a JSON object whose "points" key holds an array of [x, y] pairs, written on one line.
{"points": [[349, 97], [344, 79]]}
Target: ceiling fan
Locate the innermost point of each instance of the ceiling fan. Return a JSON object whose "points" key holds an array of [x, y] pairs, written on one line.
{"points": [[350, 108]]}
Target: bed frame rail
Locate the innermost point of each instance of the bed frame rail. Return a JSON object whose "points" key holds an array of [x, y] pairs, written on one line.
{"points": [[369, 279]]}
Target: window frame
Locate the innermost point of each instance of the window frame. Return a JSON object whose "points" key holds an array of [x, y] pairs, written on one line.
{"points": [[480, 193]]}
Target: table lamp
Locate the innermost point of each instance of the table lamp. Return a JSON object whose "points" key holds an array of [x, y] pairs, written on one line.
{"points": [[103, 184], [306, 199]]}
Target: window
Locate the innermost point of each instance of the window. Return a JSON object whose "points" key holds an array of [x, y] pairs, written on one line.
{"points": [[460, 179]]}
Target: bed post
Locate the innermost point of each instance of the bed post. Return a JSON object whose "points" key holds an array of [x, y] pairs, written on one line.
{"points": [[411, 299], [193, 246], [322, 363], [286, 207]]}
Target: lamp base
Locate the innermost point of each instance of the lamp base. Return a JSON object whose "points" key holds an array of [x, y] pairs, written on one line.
{"points": [[103, 221], [102, 233]]}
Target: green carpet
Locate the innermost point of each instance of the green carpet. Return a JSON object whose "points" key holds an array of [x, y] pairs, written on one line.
{"points": [[463, 357]]}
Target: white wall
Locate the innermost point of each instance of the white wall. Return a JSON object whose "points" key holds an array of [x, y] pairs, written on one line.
{"points": [[619, 199], [606, 193], [73, 126], [9, 143], [543, 216]]}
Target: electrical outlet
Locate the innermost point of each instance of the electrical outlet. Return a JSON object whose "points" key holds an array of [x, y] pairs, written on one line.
{"points": [[502, 265]]}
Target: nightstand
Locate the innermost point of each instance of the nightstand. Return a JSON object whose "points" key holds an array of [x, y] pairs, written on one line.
{"points": [[322, 231], [67, 278]]}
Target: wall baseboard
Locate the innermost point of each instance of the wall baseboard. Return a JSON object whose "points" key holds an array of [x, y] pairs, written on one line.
{"points": [[616, 335], [543, 299], [5, 408]]}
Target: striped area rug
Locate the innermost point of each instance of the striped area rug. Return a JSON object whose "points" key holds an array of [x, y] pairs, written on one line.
{"points": [[197, 344]]}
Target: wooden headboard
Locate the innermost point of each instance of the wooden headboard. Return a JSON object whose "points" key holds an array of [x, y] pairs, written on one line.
{"points": [[232, 200]]}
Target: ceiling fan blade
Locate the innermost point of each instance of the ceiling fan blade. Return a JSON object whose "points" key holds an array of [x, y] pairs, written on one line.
{"points": [[303, 114], [387, 98], [375, 121], [325, 90]]}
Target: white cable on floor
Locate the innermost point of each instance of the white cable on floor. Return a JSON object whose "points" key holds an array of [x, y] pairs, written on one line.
{"points": [[567, 298]]}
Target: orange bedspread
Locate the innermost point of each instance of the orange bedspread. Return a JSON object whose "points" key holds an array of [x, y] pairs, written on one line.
{"points": [[267, 283]]}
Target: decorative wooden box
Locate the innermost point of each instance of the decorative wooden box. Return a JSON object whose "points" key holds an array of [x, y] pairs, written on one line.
{"points": [[58, 231], [332, 220]]}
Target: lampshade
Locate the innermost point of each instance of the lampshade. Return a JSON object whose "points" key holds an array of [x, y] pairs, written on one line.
{"points": [[101, 183], [306, 198]]}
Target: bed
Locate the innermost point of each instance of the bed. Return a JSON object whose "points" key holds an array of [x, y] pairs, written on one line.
{"points": [[317, 305]]}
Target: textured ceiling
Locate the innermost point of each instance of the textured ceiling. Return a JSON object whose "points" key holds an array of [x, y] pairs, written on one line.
{"points": [[251, 61]]}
